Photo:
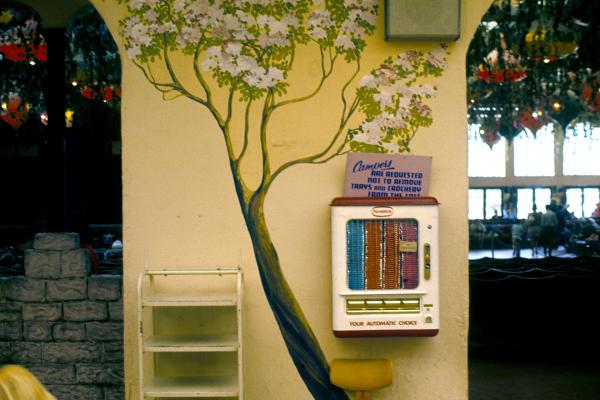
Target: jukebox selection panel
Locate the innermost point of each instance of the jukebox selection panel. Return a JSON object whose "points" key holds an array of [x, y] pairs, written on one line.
{"points": [[382, 254]]}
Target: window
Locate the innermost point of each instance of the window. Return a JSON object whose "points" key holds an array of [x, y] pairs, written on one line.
{"points": [[485, 203], [529, 164], [591, 197], [483, 160], [582, 201], [543, 197], [493, 203], [527, 198], [581, 149], [534, 155], [525, 203], [575, 202], [476, 204]]}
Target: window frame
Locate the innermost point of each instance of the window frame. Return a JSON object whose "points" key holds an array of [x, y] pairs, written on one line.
{"points": [[582, 191], [526, 138], [485, 197], [583, 128], [472, 136], [558, 180]]}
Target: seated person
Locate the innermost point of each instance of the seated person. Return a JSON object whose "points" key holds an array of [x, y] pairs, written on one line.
{"points": [[596, 212], [593, 243], [478, 231]]}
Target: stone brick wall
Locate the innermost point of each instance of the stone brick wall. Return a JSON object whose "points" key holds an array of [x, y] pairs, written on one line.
{"points": [[62, 323]]}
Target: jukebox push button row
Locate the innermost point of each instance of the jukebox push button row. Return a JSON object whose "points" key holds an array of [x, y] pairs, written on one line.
{"points": [[427, 261], [383, 306]]}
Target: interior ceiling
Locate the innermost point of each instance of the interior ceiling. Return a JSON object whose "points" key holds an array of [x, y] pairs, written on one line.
{"points": [[55, 13]]}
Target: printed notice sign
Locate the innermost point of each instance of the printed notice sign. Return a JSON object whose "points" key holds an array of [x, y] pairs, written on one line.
{"points": [[387, 175]]}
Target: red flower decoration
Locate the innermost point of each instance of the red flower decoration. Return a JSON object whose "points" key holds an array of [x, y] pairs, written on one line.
{"points": [[89, 93], [527, 120], [500, 75], [590, 93], [107, 93], [484, 75], [14, 52], [41, 52], [15, 114]]}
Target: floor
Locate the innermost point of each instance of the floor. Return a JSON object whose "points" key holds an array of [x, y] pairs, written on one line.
{"points": [[554, 375], [505, 380], [508, 253]]}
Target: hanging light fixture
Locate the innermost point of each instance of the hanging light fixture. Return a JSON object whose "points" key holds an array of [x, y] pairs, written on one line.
{"points": [[23, 53], [501, 64], [530, 64], [544, 44]]}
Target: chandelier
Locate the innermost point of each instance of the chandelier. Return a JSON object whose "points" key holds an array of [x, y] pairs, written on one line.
{"points": [[534, 62]]}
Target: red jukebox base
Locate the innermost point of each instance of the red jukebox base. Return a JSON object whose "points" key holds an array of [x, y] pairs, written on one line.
{"points": [[384, 333]]}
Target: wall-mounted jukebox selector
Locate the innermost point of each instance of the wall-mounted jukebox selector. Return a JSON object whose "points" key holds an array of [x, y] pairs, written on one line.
{"points": [[427, 259], [385, 266]]}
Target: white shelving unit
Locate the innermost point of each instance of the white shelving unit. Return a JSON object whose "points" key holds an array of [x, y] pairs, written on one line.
{"points": [[201, 326]]}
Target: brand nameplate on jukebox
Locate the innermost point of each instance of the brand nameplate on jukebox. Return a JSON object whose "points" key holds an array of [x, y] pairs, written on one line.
{"points": [[382, 211]]}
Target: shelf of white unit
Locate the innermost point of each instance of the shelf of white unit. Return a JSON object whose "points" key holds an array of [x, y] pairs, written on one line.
{"points": [[213, 386], [190, 386], [189, 301], [204, 343]]}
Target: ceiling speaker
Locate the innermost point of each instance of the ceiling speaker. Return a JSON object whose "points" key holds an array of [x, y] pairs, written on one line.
{"points": [[422, 19]]}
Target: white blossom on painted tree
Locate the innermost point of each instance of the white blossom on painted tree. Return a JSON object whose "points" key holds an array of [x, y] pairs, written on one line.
{"points": [[249, 46], [394, 104], [264, 34]]}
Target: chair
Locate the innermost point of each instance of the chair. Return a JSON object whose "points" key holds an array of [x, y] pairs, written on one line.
{"points": [[361, 375]]}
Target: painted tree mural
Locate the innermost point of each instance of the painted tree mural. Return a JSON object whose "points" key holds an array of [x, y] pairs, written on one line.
{"points": [[246, 49]]}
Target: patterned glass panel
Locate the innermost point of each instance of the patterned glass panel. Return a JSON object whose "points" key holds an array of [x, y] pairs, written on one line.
{"points": [[382, 254]]}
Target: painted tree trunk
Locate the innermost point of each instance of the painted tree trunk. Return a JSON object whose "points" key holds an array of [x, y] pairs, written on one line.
{"points": [[297, 334]]}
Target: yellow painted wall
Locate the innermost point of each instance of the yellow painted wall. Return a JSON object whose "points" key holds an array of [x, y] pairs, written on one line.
{"points": [[180, 209]]}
